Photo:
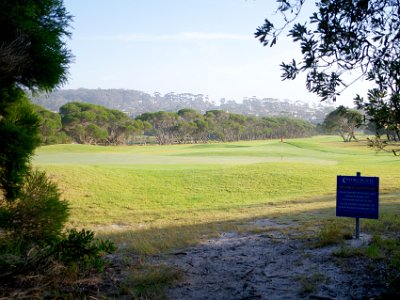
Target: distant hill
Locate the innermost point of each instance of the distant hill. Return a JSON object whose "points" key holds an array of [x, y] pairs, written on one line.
{"points": [[135, 102]]}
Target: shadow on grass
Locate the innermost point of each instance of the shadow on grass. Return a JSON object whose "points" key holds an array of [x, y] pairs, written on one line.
{"points": [[147, 279], [303, 218]]}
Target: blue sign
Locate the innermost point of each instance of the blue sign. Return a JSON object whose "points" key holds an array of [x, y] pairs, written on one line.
{"points": [[357, 197]]}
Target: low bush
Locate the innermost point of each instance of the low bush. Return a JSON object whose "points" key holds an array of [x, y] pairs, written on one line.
{"points": [[32, 237], [82, 248], [38, 215], [332, 234]]}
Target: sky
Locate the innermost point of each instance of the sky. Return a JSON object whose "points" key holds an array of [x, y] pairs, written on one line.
{"points": [[183, 46]]}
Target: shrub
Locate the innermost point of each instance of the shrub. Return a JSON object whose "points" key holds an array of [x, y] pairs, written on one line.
{"points": [[82, 248], [38, 215], [76, 251], [332, 234], [149, 281]]}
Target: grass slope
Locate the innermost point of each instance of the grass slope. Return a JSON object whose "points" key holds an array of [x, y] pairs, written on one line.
{"points": [[165, 197]]}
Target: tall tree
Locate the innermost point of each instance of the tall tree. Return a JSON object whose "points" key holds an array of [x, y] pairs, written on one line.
{"points": [[94, 124], [217, 123], [345, 36], [50, 126], [33, 53], [163, 124], [190, 125], [19, 135], [33, 56], [344, 122]]}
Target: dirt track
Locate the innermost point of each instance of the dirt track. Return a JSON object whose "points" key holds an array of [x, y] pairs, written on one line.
{"points": [[269, 266]]}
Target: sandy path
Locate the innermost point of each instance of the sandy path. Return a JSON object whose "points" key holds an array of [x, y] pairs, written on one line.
{"points": [[267, 266]]}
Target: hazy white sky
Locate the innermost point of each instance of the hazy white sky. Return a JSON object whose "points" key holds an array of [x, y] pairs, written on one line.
{"points": [[194, 46]]}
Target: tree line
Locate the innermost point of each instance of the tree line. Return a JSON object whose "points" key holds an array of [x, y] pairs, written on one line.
{"points": [[189, 126], [135, 102], [86, 123]]}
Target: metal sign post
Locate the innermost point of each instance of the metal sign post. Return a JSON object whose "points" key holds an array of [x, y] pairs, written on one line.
{"points": [[358, 219], [357, 197], [357, 228]]}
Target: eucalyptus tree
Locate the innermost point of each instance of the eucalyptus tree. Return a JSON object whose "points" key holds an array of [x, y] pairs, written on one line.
{"points": [[234, 127], [187, 129], [343, 38], [94, 124], [163, 124], [217, 121], [344, 122], [50, 126]]}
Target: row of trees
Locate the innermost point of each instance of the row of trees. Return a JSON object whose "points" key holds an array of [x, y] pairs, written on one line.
{"points": [[93, 124], [135, 102], [87, 123], [189, 126]]}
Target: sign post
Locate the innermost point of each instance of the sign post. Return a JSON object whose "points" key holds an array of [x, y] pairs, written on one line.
{"points": [[357, 228], [357, 197]]}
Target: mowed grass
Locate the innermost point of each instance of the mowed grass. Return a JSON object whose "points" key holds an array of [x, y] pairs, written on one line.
{"points": [[155, 198]]}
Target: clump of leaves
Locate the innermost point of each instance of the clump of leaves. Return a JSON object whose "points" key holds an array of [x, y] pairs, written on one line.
{"points": [[346, 252], [149, 281], [383, 248], [38, 215], [32, 239], [310, 283], [83, 248], [332, 234]]}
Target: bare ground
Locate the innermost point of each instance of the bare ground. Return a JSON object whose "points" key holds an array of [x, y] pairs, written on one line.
{"points": [[278, 263], [272, 265]]}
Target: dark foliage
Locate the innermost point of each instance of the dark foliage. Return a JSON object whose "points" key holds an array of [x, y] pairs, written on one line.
{"points": [[38, 215], [33, 53], [19, 135], [78, 250], [83, 248], [383, 116], [33, 56], [32, 236], [344, 122], [342, 36], [51, 131]]}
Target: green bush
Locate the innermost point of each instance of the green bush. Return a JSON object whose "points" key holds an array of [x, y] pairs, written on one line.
{"points": [[38, 215], [32, 237], [331, 234], [30, 223], [82, 248], [78, 251], [19, 136]]}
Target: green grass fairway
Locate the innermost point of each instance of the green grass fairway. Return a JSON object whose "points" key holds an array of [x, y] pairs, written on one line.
{"points": [[141, 190]]}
